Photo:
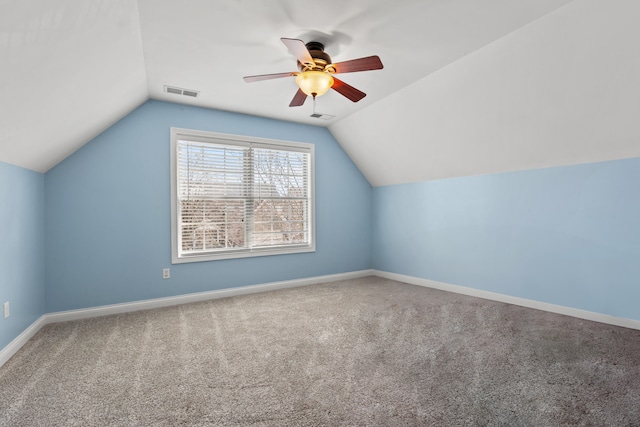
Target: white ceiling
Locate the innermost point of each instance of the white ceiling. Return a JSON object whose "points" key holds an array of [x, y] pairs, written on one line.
{"points": [[562, 90], [69, 70], [467, 87]]}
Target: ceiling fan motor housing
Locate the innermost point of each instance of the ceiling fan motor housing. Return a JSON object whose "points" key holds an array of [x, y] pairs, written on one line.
{"points": [[320, 57]]}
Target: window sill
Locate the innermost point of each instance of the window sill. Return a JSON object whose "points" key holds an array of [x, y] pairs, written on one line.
{"points": [[240, 253]]}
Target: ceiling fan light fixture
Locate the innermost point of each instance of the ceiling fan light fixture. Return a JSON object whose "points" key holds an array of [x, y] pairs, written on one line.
{"points": [[314, 83], [315, 77]]}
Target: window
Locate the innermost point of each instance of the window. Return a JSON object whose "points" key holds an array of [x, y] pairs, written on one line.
{"points": [[235, 196]]}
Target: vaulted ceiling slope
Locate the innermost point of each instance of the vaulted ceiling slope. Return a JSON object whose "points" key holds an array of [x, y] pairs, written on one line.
{"points": [[562, 90], [468, 87], [68, 70]]}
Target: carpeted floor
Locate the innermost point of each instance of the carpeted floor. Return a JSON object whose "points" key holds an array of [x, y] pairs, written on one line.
{"points": [[361, 352]]}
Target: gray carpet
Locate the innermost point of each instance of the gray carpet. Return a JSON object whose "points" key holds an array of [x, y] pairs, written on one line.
{"points": [[362, 352]]}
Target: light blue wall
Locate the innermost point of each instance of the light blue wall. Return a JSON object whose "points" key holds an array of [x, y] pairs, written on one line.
{"points": [[21, 249], [98, 225], [108, 213], [565, 235]]}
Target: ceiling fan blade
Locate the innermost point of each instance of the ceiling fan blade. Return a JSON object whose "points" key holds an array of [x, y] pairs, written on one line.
{"points": [[361, 64], [298, 49], [298, 99], [251, 79], [348, 91]]}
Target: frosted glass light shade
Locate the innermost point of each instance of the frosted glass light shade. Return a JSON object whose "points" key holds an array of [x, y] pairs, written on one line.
{"points": [[314, 82]]}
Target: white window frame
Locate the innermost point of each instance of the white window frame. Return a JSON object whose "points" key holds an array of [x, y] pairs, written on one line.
{"points": [[222, 138]]}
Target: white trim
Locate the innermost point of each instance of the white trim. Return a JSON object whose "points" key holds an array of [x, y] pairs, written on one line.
{"points": [[243, 253], [105, 310], [247, 141], [538, 305], [17, 343], [63, 316]]}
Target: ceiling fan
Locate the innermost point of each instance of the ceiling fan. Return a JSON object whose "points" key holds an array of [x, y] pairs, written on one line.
{"points": [[315, 77]]}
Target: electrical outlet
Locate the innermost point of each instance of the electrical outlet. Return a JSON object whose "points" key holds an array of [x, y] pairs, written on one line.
{"points": [[5, 309], [166, 273]]}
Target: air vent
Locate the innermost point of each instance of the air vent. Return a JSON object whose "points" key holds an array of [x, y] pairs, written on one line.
{"points": [[173, 90], [180, 91], [322, 116]]}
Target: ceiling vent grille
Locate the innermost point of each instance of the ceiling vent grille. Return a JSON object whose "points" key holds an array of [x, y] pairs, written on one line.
{"points": [[181, 91], [322, 116]]}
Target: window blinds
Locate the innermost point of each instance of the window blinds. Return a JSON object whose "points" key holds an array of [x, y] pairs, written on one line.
{"points": [[241, 197]]}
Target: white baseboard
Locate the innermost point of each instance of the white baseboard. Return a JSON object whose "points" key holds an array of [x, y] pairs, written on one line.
{"points": [[553, 308], [105, 310], [63, 316], [85, 313], [15, 345]]}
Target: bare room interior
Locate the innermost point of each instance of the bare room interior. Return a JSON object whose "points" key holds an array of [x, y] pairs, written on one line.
{"points": [[297, 213]]}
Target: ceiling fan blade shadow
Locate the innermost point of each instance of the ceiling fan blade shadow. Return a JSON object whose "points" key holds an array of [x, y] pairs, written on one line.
{"points": [[347, 91], [298, 49], [258, 78], [298, 99], [360, 64]]}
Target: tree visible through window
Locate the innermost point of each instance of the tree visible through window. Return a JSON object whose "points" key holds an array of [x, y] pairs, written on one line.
{"points": [[240, 197]]}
